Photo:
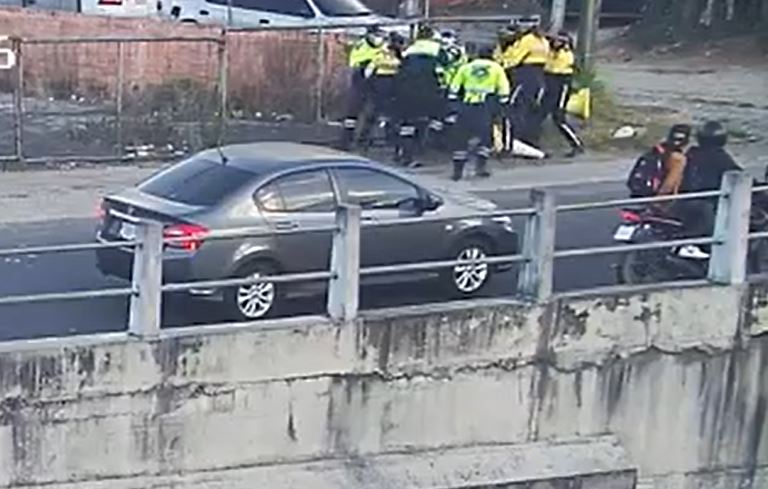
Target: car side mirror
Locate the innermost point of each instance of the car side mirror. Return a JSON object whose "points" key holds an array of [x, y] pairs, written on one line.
{"points": [[431, 203]]}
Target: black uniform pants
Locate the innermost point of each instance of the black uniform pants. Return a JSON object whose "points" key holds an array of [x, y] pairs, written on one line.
{"points": [[416, 109], [357, 96], [527, 100], [474, 136], [557, 92], [379, 107]]}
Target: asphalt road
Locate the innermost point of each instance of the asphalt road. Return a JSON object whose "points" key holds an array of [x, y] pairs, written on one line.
{"points": [[28, 274]]}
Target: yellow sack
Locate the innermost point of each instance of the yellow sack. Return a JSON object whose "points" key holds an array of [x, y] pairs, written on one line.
{"points": [[580, 104]]}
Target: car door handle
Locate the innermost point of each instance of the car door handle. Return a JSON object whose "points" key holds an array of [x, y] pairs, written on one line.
{"points": [[204, 12], [263, 21], [286, 225]]}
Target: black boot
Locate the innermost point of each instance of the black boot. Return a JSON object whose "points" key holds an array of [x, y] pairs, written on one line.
{"points": [[482, 168], [458, 169], [575, 151]]}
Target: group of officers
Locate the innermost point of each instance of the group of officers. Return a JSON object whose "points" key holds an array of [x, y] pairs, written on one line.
{"points": [[433, 90]]}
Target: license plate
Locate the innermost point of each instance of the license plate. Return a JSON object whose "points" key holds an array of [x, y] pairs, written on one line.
{"points": [[128, 231], [624, 233]]}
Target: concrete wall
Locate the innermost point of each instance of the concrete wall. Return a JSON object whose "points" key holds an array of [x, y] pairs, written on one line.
{"points": [[674, 374]]}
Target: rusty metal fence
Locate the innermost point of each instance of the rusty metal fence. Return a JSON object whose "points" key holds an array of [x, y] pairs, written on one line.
{"points": [[99, 99], [128, 98]]}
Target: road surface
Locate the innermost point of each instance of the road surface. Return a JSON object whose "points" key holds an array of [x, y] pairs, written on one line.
{"points": [[76, 271]]}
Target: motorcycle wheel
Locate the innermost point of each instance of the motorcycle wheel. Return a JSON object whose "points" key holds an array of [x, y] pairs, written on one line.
{"points": [[638, 268]]}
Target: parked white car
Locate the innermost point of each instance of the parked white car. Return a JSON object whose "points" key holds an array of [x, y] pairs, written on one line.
{"points": [[271, 13]]}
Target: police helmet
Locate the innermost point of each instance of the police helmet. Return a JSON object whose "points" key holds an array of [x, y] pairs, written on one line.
{"points": [[528, 23], [564, 38], [485, 52], [396, 39], [679, 135], [425, 31], [712, 134], [449, 36]]}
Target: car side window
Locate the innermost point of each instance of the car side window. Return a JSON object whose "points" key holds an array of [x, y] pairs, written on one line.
{"points": [[298, 8], [307, 191], [372, 189]]}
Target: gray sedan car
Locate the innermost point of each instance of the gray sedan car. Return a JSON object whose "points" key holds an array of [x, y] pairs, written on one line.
{"points": [[286, 186]]}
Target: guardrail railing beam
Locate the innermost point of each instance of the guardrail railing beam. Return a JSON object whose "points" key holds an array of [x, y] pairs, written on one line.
{"points": [[536, 275], [146, 302], [728, 260], [344, 285]]}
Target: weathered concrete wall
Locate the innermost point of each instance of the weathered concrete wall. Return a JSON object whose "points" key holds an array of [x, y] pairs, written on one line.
{"points": [[674, 374]]}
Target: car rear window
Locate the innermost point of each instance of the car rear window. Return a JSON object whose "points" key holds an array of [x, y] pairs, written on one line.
{"points": [[197, 182]]}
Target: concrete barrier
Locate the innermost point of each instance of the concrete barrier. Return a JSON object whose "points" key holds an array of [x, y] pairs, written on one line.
{"points": [[674, 374]]}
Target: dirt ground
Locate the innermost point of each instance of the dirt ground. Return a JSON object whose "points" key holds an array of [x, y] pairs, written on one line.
{"points": [[726, 80]]}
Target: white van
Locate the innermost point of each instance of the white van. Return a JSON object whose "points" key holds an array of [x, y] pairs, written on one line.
{"points": [[273, 13], [119, 8]]}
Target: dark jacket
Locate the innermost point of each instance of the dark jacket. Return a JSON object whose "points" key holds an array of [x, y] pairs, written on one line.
{"points": [[705, 168]]}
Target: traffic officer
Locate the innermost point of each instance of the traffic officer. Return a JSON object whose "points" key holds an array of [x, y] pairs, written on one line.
{"points": [[381, 73], [478, 92], [362, 53], [418, 95], [456, 55], [558, 75], [502, 54], [527, 58]]}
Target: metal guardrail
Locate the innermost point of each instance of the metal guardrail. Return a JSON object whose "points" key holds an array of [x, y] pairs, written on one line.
{"points": [[727, 263]]}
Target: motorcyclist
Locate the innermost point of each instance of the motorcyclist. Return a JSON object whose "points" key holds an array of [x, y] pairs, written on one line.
{"points": [[707, 162]]}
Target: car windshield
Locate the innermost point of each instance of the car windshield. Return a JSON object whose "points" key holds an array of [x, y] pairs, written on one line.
{"points": [[198, 182], [342, 8]]}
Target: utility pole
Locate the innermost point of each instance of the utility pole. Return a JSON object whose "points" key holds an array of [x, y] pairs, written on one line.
{"points": [[557, 17], [589, 20], [426, 9]]}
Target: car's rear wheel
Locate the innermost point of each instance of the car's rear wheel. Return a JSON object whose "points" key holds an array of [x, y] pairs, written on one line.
{"points": [[254, 301], [470, 276]]}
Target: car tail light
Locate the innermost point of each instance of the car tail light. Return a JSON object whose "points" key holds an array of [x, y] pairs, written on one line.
{"points": [[187, 237], [629, 216]]}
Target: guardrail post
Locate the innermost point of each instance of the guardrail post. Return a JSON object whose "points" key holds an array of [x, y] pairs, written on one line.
{"points": [[145, 311], [728, 261], [344, 286], [536, 276]]}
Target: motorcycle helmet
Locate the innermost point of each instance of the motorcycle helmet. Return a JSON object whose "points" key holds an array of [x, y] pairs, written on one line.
{"points": [[712, 134], [679, 135]]}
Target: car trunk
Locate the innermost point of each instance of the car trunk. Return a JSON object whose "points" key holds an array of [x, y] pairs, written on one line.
{"points": [[121, 211]]}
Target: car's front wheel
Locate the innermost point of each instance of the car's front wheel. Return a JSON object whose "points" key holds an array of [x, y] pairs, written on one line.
{"points": [[470, 275], [254, 301]]}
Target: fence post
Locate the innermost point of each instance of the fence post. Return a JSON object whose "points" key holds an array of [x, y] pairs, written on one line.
{"points": [[119, 99], [344, 285], [536, 276], [223, 89], [18, 102], [320, 55], [145, 310], [728, 262]]}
